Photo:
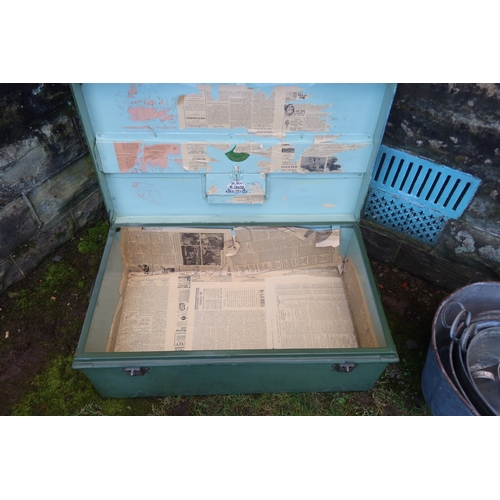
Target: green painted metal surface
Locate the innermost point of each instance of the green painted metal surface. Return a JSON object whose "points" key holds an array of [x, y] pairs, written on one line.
{"points": [[226, 372]]}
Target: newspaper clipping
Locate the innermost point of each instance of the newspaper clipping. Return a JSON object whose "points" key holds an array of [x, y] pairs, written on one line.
{"points": [[284, 110], [310, 312], [141, 324], [280, 291], [227, 316], [270, 249], [148, 251]]}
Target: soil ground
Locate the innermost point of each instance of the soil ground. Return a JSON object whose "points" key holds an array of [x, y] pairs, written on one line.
{"points": [[41, 318]]}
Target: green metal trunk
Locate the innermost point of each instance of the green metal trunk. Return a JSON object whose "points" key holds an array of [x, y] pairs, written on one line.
{"points": [[142, 144]]}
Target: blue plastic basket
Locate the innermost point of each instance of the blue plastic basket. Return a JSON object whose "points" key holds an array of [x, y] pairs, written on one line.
{"points": [[414, 196]]}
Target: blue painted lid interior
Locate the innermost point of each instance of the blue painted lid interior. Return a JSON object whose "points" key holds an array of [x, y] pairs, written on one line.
{"points": [[249, 153]]}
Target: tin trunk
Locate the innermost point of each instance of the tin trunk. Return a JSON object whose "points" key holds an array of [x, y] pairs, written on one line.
{"points": [[234, 262]]}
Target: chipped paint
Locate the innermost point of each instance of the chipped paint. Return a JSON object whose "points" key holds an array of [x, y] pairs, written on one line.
{"points": [[126, 155], [132, 92], [328, 205], [247, 199], [195, 157], [143, 113], [256, 188], [212, 190], [147, 109], [147, 192], [134, 157], [139, 157], [322, 139], [256, 195]]}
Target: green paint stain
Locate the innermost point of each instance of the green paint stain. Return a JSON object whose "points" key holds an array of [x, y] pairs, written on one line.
{"points": [[236, 156]]}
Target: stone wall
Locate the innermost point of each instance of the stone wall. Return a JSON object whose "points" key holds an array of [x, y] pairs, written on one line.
{"points": [[457, 125], [48, 188]]}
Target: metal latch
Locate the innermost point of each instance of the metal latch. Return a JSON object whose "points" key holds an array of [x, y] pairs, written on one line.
{"points": [[136, 371], [344, 367]]}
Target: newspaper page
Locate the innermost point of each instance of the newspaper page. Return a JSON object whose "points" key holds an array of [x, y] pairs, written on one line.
{"points": [[232, 109], [321, 157], [141, 319], [275, 113], [328, 238], [281, 282], [158, 250], [177, 313], [180, 292], [236, 106], [266, 249], [226, 316], [196, 311], [300, 116], [178, 305], [308, 312]]}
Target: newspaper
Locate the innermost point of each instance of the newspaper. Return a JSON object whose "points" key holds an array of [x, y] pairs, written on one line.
{"points": [[317, 158], [226, 316], [308, 312], [265, 249], [330, 238], [140, 323], [282, 110], [196, 312], [150, 251], [299, 303]]}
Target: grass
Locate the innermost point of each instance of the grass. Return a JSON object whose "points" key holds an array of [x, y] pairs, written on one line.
{"points": [[60, 390], [96, 236]]}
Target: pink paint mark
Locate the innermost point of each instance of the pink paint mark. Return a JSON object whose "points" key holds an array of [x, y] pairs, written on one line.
{"points": [[167, 117], [132, 91], [141, 114], [126, 154], [156, 155], [178, 161]]}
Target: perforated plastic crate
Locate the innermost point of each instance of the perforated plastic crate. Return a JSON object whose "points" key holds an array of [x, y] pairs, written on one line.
{"points": [[414, 196]]}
